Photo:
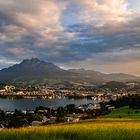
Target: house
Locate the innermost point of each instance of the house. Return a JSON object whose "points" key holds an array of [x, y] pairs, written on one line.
{"points": [[44, 119], [24, 112], [20, 93], [97, 106], [40, 111], [36, 123], [9, 112], [109, 107], [2, 91], [52, 120], [31, 112], [81, 108], [90, 106], [94, 106], [9, 88], [72, 119]]}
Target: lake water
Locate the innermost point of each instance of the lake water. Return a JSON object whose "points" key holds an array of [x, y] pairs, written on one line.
{"points": [[9, 104]]}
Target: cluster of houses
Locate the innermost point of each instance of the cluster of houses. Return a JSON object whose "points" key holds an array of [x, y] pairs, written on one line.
{"points": [[72, 118], [69, 118], [98, 95], [42, 92], [7, 89]]}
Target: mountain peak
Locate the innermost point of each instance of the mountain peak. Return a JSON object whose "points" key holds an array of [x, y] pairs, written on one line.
{"points": [[35, 63], [32, 60], [35, 59]]}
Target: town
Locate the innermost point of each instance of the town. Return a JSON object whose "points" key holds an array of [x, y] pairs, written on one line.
{"points": [[103, 101], [111, 90]]}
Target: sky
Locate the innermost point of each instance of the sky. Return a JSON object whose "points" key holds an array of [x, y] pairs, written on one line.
{"points": [[102, 35]]}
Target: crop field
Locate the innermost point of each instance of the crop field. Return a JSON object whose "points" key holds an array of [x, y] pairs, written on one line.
{"points": [[99, 129]]}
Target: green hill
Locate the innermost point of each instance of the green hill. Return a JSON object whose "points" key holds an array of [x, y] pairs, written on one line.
{"points": [[124, 112]]}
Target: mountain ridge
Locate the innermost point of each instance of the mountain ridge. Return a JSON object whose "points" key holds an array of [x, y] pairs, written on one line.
{"points": [[35, 71]]}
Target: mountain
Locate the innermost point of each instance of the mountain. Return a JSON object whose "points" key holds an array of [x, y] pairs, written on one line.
{"points": [[34, 71], [120, 77]]}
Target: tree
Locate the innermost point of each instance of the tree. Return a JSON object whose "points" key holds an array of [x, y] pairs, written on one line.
{"points": [[2, 115], [61, 113], [71, 108]]}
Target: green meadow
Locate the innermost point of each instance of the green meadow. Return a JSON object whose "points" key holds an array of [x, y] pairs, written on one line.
{"points": [[124, 112], [99, 129]]}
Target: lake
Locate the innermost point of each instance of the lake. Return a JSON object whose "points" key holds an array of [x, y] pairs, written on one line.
{"points": [[10, 104]]}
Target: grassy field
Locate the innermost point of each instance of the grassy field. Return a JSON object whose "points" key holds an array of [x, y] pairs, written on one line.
{"points": [[100, 129], [124, 112]]}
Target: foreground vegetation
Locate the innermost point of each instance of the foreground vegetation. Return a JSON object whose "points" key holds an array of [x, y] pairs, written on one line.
{"points": [[102, 129]]}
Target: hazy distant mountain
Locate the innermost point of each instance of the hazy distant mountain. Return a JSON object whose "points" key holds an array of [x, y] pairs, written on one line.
{"points": [[120, 77], [34, 71]]}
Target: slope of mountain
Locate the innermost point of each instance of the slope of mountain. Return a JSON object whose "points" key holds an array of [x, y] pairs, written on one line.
{"points": [[34, 71], [113, 85]]}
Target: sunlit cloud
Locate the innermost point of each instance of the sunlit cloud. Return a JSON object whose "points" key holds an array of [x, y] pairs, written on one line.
{"points": [[100, 12], [94, 34]]}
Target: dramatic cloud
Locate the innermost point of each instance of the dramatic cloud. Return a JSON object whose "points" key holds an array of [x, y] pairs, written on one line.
{"points": [[94, 34], [104, 11], [31, 24]]}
